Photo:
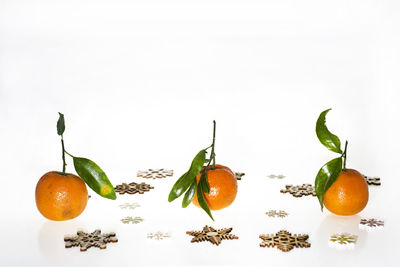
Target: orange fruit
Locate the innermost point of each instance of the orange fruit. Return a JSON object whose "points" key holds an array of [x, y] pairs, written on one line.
{"points": [[348, 195], [61, 197], [223, 188]]}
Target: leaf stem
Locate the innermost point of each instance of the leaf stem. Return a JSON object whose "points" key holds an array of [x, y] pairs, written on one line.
{"points": [[344, 155], [212, 156], [68, 154], [63, 154]]}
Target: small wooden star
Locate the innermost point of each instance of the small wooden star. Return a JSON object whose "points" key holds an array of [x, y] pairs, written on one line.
{"points": [[211, 235]]}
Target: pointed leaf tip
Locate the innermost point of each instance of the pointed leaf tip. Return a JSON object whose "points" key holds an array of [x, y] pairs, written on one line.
{"points": [[94, 177], [328, 139], [187, 199], [202, 201]]}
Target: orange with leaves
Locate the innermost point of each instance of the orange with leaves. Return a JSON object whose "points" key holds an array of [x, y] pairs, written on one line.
{"points": [[223, 188], [342, 191], [63, 196], [207, 185]]}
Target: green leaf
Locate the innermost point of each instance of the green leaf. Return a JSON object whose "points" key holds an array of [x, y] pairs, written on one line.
{"points": [[183, 183], [328, 139], [198, 162], [60, 124], [204, 183], [326, 176], [94, 177], [202, 202], [180, 186], [189, 194]]}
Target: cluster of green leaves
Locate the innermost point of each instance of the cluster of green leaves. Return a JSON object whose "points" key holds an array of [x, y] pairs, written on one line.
{"points": [[188, 183], [328, 173], [87, 170]]}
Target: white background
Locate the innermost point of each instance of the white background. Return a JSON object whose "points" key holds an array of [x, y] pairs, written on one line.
{"points": [[140, 82]]}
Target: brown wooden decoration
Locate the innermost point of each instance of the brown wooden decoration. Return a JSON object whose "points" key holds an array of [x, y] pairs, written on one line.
{"points": [[372, 180], [133, 188], [278, 214], [279, 176], [211, 235], [368, 224], [239, 175], [88, 240], [155, 173], [299, 190], [285, 241]]}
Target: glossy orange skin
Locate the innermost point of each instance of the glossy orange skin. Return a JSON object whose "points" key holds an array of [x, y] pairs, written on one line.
{"points": [[348, 195], [61, 197], [223, 188]]}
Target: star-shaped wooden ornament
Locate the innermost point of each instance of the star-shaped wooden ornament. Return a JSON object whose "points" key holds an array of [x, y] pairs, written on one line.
{"points": [[212, 235]]}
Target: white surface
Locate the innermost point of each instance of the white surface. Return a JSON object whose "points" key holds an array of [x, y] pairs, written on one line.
{"points": [[140, 83]]}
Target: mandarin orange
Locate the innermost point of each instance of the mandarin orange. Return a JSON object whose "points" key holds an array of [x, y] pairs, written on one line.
{"points": [[61, 197], [223, 188], [348, 195]]}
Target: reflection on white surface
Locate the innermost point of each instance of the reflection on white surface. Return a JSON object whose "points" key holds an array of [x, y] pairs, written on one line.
{"points": [[333, 224], [51, 238]]}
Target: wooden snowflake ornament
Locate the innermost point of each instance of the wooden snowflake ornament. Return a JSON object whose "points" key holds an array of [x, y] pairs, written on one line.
{"points": [[285, 241], [279, 214], [87, 240], [343, 241], [130, 219], [211, 235], [130, 206], [300, 190], [133, 188], [371, 224], [155, 173], [158, 235]]}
